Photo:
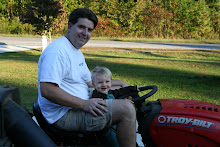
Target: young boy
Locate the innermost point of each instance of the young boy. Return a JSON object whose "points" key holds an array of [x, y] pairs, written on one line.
{"points": [[101, 80]]}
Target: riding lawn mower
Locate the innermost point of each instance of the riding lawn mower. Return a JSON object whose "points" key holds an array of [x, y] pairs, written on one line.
{"points": [[177, 122], [161, 123]]}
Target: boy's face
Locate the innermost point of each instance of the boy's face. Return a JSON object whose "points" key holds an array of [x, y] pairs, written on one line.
{"points": [[102, 83]]}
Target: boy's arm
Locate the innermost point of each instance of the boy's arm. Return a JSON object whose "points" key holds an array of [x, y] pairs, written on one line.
{"points": [[116, 84], [90, 84], [123, 91]]}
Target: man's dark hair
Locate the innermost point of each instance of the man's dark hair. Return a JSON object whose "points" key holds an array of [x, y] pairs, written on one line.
{"points": [[83, 13]]}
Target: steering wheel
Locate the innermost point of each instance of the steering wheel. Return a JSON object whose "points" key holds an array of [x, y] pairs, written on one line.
{"points": [[139, 99], [136, 98]]}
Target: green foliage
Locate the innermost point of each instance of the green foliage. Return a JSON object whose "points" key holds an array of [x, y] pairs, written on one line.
{"points": [[42, 13], [70, 5], [158, 22], [107, 28], [193, 19], [7, 8], [214, 6], [178, 19], [3, 9], [15, 26], [59, 23]]}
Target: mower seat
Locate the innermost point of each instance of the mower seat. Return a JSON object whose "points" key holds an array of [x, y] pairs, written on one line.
{"points": [[16, 126], [61, 136]]}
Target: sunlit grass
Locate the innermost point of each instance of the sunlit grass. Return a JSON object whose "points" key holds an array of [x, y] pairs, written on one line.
{"points": [[178, 74]]}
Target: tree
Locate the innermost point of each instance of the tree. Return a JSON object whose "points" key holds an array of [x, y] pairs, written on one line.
{"points": [[59, 24], [7, 8], [41, 14], [214, 6]]}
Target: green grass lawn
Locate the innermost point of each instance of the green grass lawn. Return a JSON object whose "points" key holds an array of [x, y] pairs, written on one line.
{"points": [[177, 73]]}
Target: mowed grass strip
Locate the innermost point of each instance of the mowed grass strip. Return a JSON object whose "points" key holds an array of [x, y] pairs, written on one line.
{"points": [[184, 74]]}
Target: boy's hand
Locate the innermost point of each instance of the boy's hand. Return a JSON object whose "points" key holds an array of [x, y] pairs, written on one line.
{"points": [[138, 88]]}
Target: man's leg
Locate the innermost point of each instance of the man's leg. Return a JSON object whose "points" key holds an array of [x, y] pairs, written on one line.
{"points": [[124, 115]]}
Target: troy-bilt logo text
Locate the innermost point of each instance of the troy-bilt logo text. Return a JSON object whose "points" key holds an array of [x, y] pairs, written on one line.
{"points": [[183, 120]]}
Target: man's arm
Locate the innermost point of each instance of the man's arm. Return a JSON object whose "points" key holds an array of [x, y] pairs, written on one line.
{"points": [[55, 94]]}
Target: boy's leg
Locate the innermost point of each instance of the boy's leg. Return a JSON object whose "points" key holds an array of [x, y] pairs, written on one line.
{"points": [[124, 115], [108, 139]]}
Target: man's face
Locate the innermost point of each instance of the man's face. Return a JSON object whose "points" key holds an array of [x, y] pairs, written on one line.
{"points": [[102, 83], [80, 33]]}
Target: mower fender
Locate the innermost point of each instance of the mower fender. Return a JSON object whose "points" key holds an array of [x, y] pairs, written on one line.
{"points": [[186, 123]]}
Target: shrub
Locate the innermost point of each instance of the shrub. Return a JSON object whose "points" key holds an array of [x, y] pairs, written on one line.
{"points": [[15, 26], [106, 28]]}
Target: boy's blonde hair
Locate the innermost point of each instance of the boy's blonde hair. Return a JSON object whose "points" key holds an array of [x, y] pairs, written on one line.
{"points": [[101, 71]]}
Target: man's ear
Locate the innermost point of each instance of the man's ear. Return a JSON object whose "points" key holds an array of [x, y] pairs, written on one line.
{"points": [[69, 25]]}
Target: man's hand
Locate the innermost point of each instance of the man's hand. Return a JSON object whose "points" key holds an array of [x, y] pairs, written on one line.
{"points": [[95, 106]]}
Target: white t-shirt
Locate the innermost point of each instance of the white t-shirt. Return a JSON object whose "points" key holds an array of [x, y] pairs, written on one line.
{"points": [[63, 64]]}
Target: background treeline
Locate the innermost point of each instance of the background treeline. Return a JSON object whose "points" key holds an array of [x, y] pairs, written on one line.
{"points": [[178, 19]]}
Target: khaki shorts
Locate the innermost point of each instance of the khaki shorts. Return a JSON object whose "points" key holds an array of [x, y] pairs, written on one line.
{"points": [[78, 120]]}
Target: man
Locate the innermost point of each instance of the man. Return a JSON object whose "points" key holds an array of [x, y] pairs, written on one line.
{"points": [[63, 86]]}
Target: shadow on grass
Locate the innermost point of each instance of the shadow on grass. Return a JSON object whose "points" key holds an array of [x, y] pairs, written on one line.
{"points": [[182, 80], [161, 58], [22, 55], [28, 92]]}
